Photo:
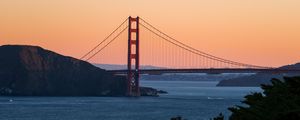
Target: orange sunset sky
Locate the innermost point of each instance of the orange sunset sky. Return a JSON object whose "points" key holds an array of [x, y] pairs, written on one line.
{"points": [[261, 32]]}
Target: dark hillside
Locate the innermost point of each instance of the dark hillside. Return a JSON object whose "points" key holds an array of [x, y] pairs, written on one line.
{"points": [[259, 78], [34, 71]]}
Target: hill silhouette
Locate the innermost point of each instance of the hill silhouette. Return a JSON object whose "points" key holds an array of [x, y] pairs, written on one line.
{"points": [[259, 78], [34, 71]]}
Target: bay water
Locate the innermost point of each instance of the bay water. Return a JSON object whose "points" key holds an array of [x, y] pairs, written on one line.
{"points": [[193, 100]]}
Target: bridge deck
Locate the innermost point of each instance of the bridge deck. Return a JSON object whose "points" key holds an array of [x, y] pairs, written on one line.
{"points": [[208, 71]]}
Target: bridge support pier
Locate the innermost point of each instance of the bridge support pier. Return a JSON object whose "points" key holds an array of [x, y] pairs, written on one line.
{"points": [[133, 57]]}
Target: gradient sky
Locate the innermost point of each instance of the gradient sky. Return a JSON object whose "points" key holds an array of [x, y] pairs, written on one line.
{"points": [[261, 32]]}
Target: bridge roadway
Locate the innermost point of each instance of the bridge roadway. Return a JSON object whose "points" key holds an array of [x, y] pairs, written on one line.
{"points": [[210, 71]]}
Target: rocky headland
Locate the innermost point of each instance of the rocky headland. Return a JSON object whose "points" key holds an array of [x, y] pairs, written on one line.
{"points": [[34, 71]]}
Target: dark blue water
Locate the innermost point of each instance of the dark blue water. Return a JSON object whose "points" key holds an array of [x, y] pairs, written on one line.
{"points": [[191, 99]]}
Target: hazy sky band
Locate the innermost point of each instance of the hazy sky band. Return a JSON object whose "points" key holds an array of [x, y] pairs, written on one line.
{"points": [[262, 32]]}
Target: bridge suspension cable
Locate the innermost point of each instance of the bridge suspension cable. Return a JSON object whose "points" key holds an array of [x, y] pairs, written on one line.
{"points": [[193, 50], [106, 38], [107, 44], [192, 53]]}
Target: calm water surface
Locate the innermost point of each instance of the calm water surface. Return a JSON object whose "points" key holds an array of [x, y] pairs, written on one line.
{"points": [[193, 100]]}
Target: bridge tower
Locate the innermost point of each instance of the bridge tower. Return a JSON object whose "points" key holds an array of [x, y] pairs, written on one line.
{"points": [[133, 57]]}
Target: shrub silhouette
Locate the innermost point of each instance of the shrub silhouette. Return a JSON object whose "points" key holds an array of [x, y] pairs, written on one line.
{"points": [[279, 101]]}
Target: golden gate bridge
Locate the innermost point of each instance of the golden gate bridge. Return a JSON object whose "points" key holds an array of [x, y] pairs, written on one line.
{"points": [[157, 48]]}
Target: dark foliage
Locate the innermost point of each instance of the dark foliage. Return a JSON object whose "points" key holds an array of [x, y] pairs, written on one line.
{"points": [[176, 118], [219, 117], [279, 101]]}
